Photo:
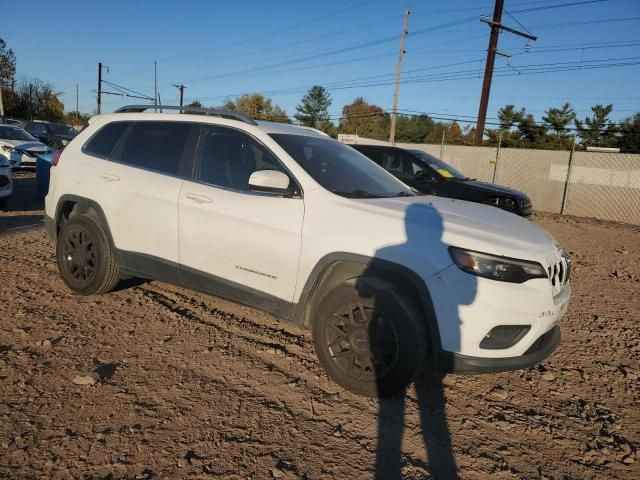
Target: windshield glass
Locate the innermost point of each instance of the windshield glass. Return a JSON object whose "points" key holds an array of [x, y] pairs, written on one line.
{"points": [[62, 129], [340, 169], [14, 133], [445, 170]]}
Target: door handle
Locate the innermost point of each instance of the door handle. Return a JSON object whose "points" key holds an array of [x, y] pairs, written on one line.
{"points": [[198, 198], [109, 177]]}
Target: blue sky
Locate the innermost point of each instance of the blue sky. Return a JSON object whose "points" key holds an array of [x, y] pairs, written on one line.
{"points": [[221, 48]]}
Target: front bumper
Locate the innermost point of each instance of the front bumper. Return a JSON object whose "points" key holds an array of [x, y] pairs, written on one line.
{"points": [[541, 349], [21, 160], [468, 308]]}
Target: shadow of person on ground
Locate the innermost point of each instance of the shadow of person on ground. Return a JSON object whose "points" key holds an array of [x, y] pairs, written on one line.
{"points": [[424, 231]]}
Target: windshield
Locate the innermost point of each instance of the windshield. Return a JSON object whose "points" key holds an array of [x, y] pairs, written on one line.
{"points": [[340, 169], [62, 129], [445, 170], [14, 133]]}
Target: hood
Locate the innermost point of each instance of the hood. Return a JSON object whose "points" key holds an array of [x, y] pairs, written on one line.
{"points": [[32, 146], [427, 220], [491, 188]]}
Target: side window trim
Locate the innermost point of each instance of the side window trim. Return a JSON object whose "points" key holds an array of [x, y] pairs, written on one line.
{"points": [[198, 161]]}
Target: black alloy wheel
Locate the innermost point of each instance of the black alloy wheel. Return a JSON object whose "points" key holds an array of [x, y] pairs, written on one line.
{"points": [[85, 258], [362, 343], [370, 337], [79, 256]]}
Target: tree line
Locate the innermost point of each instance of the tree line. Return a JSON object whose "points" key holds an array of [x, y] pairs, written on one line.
{"points": [[559, 129], [28, 98]]}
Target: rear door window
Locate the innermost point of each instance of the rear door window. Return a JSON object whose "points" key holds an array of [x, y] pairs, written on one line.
{"points": [[159, 146], [104, 141]]}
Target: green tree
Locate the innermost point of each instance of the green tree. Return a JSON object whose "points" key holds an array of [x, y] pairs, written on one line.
{"points": [[509, 117], [195, 104], [597, 130], [630, 133], [532, 134], [314, 107], [558, 120], [364, 119]]}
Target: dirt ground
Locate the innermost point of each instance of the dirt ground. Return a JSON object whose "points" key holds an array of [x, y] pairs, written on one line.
{"points": [[182, 385]]}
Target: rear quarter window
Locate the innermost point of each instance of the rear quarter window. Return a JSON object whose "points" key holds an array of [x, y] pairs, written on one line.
{"points": [[104, 140]]}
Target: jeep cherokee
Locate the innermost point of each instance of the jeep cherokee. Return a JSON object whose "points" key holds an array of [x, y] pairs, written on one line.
{"points": [[287, 220]]}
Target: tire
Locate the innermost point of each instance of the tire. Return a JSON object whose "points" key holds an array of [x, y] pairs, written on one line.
{"points": [[85, 260], [3, 203], [369, 337]]}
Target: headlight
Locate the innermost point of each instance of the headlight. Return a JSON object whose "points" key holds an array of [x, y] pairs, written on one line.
{"points": [[502, 269]]}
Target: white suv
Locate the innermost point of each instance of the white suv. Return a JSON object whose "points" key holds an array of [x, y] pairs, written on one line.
{"points": [[287, 220]]}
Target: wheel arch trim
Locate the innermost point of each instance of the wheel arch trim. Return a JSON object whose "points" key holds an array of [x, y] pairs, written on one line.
{"points": [[338, 267], [86, 204]]}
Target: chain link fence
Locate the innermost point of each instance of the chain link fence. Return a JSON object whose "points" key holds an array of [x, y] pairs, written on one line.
{"points": [[585, 184]]}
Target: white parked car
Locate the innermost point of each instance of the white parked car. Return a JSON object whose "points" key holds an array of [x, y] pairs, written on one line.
{"points": [[21, 148], [6, 182], [288, 220]]}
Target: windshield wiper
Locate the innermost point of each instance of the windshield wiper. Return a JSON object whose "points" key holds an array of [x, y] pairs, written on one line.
{"points": [[405, 194], [356, 194]]}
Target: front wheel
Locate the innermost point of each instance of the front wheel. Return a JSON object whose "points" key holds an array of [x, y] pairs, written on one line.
{"points": [[85, 260], [369, 337]]}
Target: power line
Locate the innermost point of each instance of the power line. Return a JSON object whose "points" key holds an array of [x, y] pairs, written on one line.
{"points": [[281, 30], [532, 69]]}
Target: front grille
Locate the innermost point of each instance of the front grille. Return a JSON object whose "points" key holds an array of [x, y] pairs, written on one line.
{"points": [[559, 273], [525, 203]]}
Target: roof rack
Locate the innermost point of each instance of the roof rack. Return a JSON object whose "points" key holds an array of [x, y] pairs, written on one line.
{"points": [[202, 111]]}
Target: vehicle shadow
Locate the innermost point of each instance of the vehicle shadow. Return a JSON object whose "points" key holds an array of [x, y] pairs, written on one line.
{"points": [[24, 197], [424, 231], [9, 223]]}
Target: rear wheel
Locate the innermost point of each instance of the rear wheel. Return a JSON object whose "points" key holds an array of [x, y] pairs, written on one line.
{"points": [[85, 260], [371, 344]]}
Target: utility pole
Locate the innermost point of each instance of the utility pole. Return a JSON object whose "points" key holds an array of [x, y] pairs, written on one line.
{"points": [[155, 84], [181, 88], [99, 87], [496, 27], [30, 103], [1, 104], [77, 111], [394, 114]]}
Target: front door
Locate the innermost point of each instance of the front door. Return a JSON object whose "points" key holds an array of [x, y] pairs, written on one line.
{"points": [[234, 242]]}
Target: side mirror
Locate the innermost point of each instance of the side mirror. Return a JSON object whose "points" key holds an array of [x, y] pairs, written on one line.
{"points": [[269, 181]]}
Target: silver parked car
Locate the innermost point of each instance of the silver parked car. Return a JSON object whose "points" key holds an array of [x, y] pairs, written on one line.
{"points": [[19, 146]]}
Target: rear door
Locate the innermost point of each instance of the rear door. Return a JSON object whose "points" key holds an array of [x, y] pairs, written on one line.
{"points": [[234, 242], [138, 185]]}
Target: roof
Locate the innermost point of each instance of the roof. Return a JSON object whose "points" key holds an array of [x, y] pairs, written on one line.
{"points": [[287, 128]]}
